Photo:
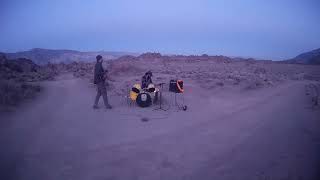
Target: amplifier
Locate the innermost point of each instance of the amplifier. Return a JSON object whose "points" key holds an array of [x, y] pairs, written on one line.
{"points": [[176, 86]]}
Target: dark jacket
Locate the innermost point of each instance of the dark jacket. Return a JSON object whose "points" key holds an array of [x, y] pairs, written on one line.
{"points": [[145, 81], [99, 73]]}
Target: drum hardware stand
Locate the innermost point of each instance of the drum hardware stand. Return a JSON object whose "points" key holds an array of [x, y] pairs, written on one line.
{"points": [[160, 94], [179, 106]]}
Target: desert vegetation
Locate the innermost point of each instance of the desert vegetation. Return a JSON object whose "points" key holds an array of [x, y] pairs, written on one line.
{"points": [[19, 80]]}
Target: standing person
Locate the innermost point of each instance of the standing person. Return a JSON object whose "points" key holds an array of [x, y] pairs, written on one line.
{"points": [[99, 80]]}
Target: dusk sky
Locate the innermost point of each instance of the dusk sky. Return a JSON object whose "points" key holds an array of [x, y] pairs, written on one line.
{"points": [[272, 29]]}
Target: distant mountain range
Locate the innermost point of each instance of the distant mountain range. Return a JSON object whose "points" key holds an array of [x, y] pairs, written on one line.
{"points": [[312, 57], [44, 56]]}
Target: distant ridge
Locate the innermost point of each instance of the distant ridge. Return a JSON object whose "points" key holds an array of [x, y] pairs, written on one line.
{"points": [[311, 57], [45, 56]]}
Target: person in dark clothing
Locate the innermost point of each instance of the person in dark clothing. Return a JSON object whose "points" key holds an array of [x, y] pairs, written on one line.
{"points": [[146, 80], [99, 80]]}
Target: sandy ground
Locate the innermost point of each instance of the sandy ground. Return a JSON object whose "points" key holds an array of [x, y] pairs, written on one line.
{"points": [[270, 133]]}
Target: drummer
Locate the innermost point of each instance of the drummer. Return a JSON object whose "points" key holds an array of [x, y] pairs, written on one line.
{"points": [[146, 83], [146, 80]]}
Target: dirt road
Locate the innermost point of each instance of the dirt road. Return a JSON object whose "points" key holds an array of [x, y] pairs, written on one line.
{"points": [[265, 134]]}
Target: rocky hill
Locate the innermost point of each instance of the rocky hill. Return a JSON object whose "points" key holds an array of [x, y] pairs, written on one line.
{"points": [[44, 56], [312, 57]]}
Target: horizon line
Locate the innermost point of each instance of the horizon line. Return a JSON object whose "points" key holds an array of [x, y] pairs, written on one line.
{"points": [[139, 53]]}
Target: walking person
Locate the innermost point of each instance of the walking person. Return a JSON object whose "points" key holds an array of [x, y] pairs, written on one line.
{"points": [[100, 81]]}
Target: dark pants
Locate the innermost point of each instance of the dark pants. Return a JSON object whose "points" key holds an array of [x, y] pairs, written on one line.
{"points": [[101, 91]]}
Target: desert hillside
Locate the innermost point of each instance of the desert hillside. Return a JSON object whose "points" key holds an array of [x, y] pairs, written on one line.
{"points": [[262, 114], [312, 57], [209, 72], [159, 90], [214, 73]]}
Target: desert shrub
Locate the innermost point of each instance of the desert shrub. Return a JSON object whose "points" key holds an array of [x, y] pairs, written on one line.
{"points": [[12, 92], [220, 83]]}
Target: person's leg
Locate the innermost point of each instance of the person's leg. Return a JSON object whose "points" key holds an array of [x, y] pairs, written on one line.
{"points": [[97, 96], [105, 96]]}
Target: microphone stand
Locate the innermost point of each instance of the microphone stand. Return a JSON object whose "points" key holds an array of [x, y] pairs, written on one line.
{"points": [[160, 93]]}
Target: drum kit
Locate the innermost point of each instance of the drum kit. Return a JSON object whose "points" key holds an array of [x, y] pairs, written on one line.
{"points": [[144, 97], [151, 95]]}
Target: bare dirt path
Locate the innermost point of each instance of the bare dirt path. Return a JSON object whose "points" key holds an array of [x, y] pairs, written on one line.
{"points": [[271, 133]]}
